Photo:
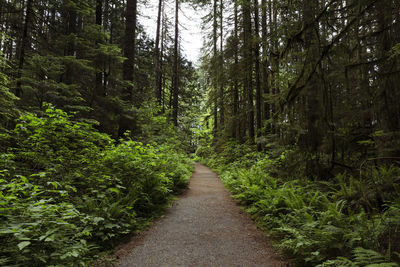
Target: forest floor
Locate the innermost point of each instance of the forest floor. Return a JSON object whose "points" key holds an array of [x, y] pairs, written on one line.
{"points": [[204, 227]]}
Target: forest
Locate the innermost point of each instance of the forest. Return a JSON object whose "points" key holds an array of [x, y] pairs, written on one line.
{"points": [[294, 103]]}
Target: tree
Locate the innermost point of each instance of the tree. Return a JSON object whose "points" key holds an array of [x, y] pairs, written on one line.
{"points": [[257, 72], [221, 66], [25, 44], [99, 72], [215, 67], [248, 67], [324, 80], [157, 70], [175, 78], [129, 48], [264, 63], [236, 126]]}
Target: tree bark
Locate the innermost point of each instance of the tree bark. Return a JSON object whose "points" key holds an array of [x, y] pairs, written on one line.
{"points": [[99, 71], [175, 80], [25, 44], [389, 110], [272, 59], [257, 72], [157, 76], [248, 66], [236, 131], [129, 63], [214, 68], [129, 48], [162, 78], [221, 68], [264, 65]]}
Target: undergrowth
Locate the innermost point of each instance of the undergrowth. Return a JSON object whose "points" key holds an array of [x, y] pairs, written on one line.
{"points": [[345, 221], [68, 192]]}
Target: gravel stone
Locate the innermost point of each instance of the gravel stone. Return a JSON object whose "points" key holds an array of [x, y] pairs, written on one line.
{"points": [[204, 227]]}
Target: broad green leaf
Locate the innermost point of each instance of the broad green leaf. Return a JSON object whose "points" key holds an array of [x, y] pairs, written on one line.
{"points": [[115, 190], [96, 220], [23, 244]]}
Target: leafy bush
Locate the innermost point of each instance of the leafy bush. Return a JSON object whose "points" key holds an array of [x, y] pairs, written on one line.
{"points": [[68, 191]]}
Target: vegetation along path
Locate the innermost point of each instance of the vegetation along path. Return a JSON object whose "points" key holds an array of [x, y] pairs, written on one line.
{"points": [[205, 227]]}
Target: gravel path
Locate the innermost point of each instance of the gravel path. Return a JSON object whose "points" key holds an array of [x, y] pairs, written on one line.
{"points": [[205, 227]]}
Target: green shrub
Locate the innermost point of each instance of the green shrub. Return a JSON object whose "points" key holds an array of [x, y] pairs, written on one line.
{"points": [[68, 191]]}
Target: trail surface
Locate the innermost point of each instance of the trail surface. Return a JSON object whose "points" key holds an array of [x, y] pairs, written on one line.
{"points": [[205, 227]]}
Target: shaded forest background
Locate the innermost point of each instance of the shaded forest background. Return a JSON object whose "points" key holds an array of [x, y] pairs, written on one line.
{"points": [[93, 59], [320, 77], [303, 123], [295, 104]]}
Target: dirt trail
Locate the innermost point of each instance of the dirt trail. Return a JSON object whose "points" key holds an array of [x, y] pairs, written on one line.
{"points": [[205, 227]]}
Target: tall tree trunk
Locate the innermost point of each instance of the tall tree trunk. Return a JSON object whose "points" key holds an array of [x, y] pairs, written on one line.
{"points": [[264, 65], [106, 27], [389, 119], [157, 71], [69, 49], [129, 47], [99, 71], [389, 106], [99, 12], [221, 68], [162, 78], [3, 27], [214, 67], [106, 14], [272, 58], [129, 63], [25, 44], [175, 80], [71, 29], [248, 65], [313, 93], [257, 70], [1, 21], [236, 129]]}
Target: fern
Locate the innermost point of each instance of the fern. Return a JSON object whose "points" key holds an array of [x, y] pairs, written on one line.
{"points": [[367, 257], [339, 262], [385, 264], [322, 222], [362, 258]]}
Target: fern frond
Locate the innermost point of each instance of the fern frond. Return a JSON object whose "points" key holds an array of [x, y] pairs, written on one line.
{"points": [[366, 256], [338, 262], [384, 264]]}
